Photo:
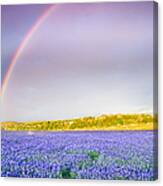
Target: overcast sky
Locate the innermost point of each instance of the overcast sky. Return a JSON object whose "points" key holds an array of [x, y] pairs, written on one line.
{"points": [[84, 59]]}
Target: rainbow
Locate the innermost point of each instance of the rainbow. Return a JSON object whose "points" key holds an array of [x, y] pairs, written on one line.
{"points": [[23, 44]]}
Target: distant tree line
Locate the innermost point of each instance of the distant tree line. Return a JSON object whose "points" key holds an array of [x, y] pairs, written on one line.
{"points": [[103, 122]]}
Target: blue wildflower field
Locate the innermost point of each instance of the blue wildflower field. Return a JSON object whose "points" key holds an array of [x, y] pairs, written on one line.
{"points": [[113, 155]]}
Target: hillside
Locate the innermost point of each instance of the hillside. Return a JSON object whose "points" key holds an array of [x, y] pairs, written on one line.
{"points": [[103, 122]]}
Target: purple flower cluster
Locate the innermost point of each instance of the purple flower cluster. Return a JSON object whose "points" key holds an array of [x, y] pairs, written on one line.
{"points": [[126, 155]]}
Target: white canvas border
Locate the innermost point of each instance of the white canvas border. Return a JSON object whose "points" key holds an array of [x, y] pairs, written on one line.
{"points": [[42, 182]]}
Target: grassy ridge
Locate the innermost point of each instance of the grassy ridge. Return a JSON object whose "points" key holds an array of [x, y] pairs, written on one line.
{"points": [[103, 122]]}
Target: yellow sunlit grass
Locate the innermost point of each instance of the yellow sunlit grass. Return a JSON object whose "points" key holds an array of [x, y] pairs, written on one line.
{"points": [[103, 122]]}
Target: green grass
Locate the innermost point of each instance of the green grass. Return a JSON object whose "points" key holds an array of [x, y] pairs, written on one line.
{"points": [[103, 122]]}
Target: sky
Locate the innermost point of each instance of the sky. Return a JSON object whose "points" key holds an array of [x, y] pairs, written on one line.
{"points": [[84, 60]]}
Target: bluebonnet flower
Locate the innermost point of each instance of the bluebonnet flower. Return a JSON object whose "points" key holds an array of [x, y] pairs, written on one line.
{"points": [[110, 155]]}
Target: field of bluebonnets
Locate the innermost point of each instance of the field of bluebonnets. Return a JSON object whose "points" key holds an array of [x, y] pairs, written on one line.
{"points": [[126, 155]]}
